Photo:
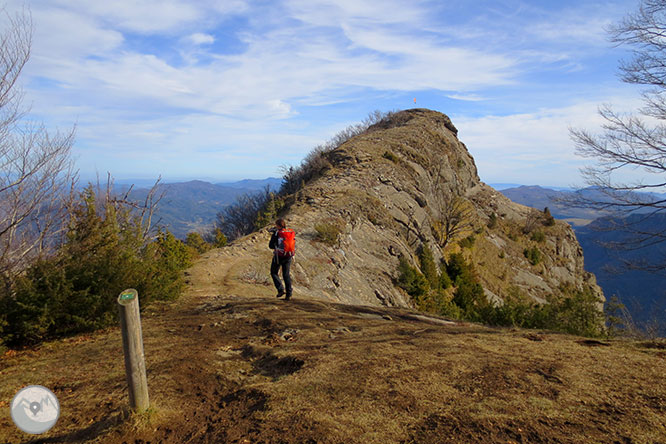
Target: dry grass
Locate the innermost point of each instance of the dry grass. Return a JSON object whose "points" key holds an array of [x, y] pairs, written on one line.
{"points": [[224, 372], [254, 369]]}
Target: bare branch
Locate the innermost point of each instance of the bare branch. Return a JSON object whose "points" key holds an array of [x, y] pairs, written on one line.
{"points": [[37, 175], [451, 214], [631, 142]]}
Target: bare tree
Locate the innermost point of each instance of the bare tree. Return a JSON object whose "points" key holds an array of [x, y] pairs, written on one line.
{"points": [[238, 219], [632, 141], [36, 170], [451, 214], [142, 211]]}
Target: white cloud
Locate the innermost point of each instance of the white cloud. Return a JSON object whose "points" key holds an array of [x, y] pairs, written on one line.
{"points": [[145, 16], [582, 30], [227, 7], [421, 64], [199, 38], [334, 12], [62, 35], [201, 146], [533, 148], [466, 97], [285, 63], [165, 75], [280, 107]]}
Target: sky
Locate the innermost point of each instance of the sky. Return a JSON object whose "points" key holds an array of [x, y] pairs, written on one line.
{"points": [[227, 90]]}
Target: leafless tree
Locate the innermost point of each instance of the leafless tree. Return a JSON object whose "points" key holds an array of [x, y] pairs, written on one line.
{"points": [[142, 211], [238, 219], [36, 170], [635, 141], [532, 221], [451, 214]]}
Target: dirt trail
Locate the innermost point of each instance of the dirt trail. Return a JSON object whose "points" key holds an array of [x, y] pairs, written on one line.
{"points": [[229, 363]]}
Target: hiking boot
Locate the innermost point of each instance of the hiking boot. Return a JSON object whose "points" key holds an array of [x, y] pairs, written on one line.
{"points": [[281, 293], [287, 297]]}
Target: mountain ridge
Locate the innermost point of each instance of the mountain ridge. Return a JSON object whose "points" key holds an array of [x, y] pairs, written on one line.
{"points": [[380, 189]]}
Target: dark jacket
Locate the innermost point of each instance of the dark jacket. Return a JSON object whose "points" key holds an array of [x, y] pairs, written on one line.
{"points": [[274, 240]]}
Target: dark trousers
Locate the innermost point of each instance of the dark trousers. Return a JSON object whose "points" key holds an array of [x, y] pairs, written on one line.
{"points": [[285, 263]]}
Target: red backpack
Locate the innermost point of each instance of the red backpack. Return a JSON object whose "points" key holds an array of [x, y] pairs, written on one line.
{"points": [[286, 244]]}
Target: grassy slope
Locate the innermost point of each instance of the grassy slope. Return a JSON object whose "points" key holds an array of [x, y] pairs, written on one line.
{"points": [[251, 369]]}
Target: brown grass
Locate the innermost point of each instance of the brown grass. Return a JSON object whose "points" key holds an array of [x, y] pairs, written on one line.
{"points": [[259, 370]]}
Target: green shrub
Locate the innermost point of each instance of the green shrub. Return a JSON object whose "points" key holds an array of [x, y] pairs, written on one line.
{"points": [[515, 311], [218, 240], [450, 309], [444, 279], [428, 266], [328, 232], [390, 156], [492, 221], [533, 255], [457, 267], [467, 242], [427, 298], [76, 289], [538, 236], [196, 242], [412, 280], [577, 312], [470, 297], [617, 316], [163, 263], [574, 311], [548, 219], [269, 211]]}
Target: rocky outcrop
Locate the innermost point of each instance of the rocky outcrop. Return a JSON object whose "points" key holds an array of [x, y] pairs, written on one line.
{"points": [[386, 190]]}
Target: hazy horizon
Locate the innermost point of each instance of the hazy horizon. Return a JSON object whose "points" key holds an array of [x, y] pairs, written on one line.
{"points": [[142, 182]]}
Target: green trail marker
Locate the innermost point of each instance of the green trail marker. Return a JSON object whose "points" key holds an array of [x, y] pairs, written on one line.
{"points": [[127, 296]]}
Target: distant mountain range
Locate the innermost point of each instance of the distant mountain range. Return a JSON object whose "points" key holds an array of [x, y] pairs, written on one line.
{"points": [[643, 293], [505, 186], [193, 206], [539, 197], [253, 184]]}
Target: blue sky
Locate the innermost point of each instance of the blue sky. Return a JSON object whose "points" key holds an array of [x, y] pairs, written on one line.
{"points": [[225, 90]]}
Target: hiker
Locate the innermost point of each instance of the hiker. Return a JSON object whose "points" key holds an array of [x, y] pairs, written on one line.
{"points": [[283, 245]]}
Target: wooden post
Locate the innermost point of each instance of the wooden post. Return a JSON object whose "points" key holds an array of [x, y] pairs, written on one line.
{"points": [[135, 363]]}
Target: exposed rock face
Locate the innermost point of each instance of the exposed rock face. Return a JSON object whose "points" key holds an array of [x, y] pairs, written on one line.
{"points": [[384, 189]]}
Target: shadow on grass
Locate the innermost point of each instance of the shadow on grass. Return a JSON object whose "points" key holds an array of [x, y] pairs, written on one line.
{"points": [[87, 433]]}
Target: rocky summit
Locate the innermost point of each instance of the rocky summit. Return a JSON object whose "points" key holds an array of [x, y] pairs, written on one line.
{"points": [[406, 182]]}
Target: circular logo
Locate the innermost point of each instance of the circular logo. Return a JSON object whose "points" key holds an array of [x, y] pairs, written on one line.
{"points": [[35, 409]]}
